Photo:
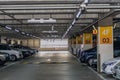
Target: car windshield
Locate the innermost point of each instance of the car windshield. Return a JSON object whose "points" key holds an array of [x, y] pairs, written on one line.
{"points": [[116, 53], [4, 47]]}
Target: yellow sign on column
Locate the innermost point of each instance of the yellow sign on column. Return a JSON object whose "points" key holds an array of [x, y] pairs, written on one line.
{"points": [[79, 40], [106, 34], [87, 38]]}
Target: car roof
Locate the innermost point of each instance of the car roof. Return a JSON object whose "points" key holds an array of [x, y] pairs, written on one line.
{"points": [[113, 59]]}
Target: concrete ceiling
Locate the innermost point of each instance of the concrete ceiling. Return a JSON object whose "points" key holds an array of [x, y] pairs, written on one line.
{"points": [[15, 13]]}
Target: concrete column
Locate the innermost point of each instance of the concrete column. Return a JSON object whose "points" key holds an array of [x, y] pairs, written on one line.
{"points": [[69, 45], [12, 41], [79, 41], [87, 41], [3, 40], [105, 42], [74, 46]]}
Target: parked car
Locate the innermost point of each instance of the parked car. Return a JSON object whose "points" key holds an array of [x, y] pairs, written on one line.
{"points": [[116, 71], [32, 51], [109, 65], [2, 59], [25, 52], [93, 59], [85, 55], [14, 55], [7, 56]]}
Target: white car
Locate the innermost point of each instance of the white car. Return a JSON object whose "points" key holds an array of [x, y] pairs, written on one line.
{"points": [[116, 71], [14, 55], [109, 65]]}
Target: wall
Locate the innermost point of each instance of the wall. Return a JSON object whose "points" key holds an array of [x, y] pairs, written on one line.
{"points": [[54, 44]]}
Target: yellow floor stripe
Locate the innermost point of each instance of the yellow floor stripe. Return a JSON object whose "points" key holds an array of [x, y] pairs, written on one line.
{"points": [[48, 62], [25, 62], [36, 62]]}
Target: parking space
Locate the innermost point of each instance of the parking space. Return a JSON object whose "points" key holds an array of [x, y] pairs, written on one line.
{"points": [[59, 39], [66, 68]]}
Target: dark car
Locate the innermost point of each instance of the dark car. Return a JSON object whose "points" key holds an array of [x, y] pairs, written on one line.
{"points": [[32, 51], [84, 54], [20, 48], [7, 56]]}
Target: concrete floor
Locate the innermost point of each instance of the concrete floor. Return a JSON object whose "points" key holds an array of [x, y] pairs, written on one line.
{"points": [[48, 66]]}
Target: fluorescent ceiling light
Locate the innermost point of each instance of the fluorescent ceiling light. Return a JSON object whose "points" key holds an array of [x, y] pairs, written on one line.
{"points": [[27, 34], [17, 30], [73, 22], [86, 1], [7, 27], [79, 13], [50, 20], [23, 32], [50, 31]]}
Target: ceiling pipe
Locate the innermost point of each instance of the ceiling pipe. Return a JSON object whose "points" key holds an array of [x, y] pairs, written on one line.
{"points": [[79, 12], [107, 15], [56, 8]]}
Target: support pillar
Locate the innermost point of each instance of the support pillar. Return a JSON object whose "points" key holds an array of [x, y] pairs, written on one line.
{"points": [[74, 46], [105, 42], [79, 41], [87, 41], [3, 40]]}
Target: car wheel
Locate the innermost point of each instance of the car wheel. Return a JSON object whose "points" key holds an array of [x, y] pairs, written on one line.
{"points": [[90, 62], [13, 58], [1, 62]]}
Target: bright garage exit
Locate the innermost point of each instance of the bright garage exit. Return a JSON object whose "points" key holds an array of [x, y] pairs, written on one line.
{"points": [[54, 44]]}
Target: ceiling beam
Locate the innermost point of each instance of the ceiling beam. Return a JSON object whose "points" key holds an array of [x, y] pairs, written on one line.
{"points": [[43, 23], [37, 2], [33, 13]]}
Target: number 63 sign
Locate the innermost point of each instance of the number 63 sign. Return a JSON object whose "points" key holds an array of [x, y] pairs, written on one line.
{"points": [[106, 35]]}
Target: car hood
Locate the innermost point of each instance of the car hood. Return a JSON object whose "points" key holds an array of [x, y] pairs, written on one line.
{"points": [[112, 60], [10, 51]]}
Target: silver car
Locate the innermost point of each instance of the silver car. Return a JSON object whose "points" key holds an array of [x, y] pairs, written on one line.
{"points": [[2, 59], [116, 71]]}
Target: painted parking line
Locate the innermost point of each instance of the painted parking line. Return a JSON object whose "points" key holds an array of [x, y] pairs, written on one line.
{"points": [[97, 73], [25, 63], [8, 65], [48, 62]]}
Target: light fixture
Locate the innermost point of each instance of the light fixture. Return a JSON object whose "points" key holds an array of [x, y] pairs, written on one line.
{"points": [[7, 27], [114, 26], [94, 27], [86, 1], [23, 32], [78, 13], [73, 22], [50, 20], [27, 34], [16, 30], [50, 31]]}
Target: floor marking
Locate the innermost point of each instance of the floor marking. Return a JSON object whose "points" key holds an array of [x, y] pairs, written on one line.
{"points": [[25, 62], [93, 71], [10, 65], [36, 62], [97, 73]]}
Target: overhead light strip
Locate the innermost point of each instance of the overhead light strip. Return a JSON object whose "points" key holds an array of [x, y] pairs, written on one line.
{"points": [[50, 20], [18, 31], [79, 12]]}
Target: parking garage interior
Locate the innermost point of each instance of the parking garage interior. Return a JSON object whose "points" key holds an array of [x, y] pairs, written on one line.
{"points": [[59, 39]]}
